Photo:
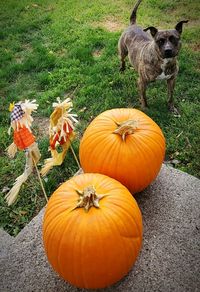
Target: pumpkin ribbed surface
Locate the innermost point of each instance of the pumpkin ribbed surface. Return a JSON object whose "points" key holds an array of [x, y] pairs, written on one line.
{"points": [[124, 144], [96, 246]]}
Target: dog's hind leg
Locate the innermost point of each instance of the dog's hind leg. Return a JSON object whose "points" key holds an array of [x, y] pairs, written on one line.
{"points": [[123, 52]]}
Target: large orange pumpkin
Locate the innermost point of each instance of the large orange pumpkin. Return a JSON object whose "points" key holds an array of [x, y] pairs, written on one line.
{"points": [[124, 144], [92, 231]]}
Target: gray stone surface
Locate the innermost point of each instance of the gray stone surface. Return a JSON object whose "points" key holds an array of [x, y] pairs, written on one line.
{"points": [[169, 260], [5, 242]]}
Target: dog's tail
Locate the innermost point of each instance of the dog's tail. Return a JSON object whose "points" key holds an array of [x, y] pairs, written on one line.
{"points": [[133, 14]]}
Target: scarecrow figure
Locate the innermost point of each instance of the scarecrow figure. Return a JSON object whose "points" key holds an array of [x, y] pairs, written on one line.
{"points": [[61, 133], [21, 121]]}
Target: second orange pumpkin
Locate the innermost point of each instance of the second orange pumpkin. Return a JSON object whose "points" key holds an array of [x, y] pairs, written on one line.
{"points": [[124, 144]]}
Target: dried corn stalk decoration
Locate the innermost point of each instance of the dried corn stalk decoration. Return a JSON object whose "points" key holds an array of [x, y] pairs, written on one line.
{"points": [[24, 139], [61, 133]]}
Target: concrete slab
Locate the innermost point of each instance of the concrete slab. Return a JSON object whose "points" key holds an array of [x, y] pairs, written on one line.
{"points": [[169, 260], [5, 242]]}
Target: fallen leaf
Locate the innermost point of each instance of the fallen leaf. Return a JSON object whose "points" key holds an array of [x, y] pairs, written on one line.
{"points": [[5, 190], [23, 212], [175, 161], [83, 109], [35, 5]]}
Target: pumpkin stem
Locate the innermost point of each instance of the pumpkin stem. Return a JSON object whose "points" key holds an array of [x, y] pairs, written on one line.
{"points": [[126, 128], [88, 198]]}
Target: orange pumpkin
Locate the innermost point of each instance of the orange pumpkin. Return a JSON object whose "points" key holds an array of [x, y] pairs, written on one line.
{"points": [[124, 144], [92, 231]]}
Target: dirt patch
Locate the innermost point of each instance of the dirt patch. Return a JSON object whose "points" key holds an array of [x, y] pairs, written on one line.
{"points": [[62, 53], [19, 59], [195, 47], [97, 53], [27, 47], [111, 24], [193, 23], [41, 127]]}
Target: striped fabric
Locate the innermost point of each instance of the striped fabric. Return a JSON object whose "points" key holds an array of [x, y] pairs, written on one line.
{"points": [[23, 138]]}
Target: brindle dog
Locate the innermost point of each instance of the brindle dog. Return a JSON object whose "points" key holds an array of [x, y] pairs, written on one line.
{"points": [[153, 57]]}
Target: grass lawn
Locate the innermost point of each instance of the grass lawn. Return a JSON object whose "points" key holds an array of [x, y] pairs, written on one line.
{"points": [[55, 48]]}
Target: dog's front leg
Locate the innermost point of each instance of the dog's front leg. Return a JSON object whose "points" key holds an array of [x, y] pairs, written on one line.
{"points": [[142, 86], [170, 90]]}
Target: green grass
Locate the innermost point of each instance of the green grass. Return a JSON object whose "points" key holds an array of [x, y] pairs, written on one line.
{"points": [[54, 48]]}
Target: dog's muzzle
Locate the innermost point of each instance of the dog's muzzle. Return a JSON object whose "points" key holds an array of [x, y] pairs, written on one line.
{"points": [[168, 53]]}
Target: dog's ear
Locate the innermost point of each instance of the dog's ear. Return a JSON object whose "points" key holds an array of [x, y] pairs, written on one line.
{"points": [[179, 26], [152, 29]]}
